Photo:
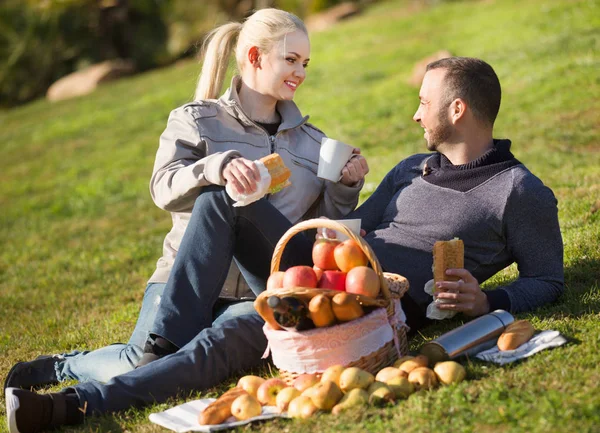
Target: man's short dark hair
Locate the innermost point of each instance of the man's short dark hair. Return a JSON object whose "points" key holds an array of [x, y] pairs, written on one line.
{"points": [[474, 81]]}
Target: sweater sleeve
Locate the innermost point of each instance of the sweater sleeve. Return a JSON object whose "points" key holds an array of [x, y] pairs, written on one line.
{"points": [[535, 242], [372, 210], [182, 166]]}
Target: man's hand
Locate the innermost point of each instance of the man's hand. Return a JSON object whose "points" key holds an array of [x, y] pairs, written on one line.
{"points": [[242, 174], [355, 169], [465, 295]]}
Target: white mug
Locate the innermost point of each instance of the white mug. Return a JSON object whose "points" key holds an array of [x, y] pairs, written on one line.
{"points": [[332, 158]]}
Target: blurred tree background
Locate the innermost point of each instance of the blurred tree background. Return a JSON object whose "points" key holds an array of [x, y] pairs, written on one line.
{"points": [[43, 40]]}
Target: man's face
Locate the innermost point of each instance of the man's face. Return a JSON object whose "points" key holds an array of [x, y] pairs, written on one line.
{"points": [[432, 115]]}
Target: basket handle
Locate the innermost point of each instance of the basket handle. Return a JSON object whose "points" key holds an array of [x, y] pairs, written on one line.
{"points": [[334, 225]]}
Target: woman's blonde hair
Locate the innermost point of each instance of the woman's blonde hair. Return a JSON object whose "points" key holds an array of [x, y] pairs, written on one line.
{"points": [[262, 29]]}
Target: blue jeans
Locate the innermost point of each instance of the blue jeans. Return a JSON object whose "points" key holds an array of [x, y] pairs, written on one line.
{"points": [[216, 233], [103, 364]]}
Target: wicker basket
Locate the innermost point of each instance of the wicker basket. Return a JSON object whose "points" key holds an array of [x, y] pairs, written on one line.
{"points": [[393, 286]]}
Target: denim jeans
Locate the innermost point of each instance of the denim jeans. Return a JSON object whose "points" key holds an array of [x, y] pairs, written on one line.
{"points": [[235, 341], [216, 234], [103, 364]]}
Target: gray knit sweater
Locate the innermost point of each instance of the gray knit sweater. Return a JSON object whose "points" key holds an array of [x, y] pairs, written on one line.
{"points": [[506, 215]]}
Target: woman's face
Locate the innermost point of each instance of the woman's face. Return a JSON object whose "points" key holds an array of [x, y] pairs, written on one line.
{"points": [[283, 69]]}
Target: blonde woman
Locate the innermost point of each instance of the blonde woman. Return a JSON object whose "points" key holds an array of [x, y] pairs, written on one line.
{"points": [[207, 144]]}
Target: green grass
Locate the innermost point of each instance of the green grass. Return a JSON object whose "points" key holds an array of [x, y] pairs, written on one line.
{"points": [[80, 234]]}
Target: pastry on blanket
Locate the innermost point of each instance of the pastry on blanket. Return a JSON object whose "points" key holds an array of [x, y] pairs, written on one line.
{"points": [[220, 409], [515, 334], [447, 255]]}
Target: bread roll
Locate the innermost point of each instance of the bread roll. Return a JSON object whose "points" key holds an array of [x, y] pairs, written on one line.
{"points": [[447, 255], [280, 174], [220, 409], [515, 334]]}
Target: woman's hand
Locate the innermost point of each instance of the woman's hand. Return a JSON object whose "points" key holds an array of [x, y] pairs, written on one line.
{"points": [[242, 174], [356, 169], [465, 295]]}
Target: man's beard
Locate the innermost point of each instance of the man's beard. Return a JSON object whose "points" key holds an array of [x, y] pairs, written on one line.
{"points": [[441, 134]]}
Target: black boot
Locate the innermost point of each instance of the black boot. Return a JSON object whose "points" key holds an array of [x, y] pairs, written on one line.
{"points": [[28, 412], [155, 348], [32, 374]]}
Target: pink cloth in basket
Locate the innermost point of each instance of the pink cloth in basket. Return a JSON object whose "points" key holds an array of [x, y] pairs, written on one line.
{"points": [[315, 350]]}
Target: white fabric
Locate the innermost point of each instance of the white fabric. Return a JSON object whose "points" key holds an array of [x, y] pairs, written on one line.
{"points": [[262, 188], [315, 350], [184, 417], [433, 312], [541, 341]]}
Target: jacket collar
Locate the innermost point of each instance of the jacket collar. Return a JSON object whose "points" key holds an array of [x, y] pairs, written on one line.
{"points": [[291, 117]]}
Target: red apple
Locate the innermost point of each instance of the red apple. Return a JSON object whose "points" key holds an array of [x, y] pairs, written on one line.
{"points": [[322, 254], [348, 255], [362, 280], [275, 280], [335, 280], [300, 276], [268, 390], [318, 272]]}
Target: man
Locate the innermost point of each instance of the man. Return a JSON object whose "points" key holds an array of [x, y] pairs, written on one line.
{"points": [[470, 187]]}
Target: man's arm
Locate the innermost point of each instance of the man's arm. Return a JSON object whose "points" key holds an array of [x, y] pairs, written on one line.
{"points": [[535, 242]]}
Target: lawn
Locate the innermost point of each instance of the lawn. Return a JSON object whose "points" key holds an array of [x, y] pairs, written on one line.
{"points": [[80, 234]]}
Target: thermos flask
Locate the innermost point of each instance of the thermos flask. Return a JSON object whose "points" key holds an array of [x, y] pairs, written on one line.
{"points": [[471, 338]]}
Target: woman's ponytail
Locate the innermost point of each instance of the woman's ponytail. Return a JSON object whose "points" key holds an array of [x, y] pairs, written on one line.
{"points": [[218, 47]]}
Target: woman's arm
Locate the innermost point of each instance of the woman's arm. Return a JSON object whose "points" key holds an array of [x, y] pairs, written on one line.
{"points": [[182, 166]]}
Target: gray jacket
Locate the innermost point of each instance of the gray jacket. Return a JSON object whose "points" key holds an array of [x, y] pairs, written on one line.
{"points": [[202, 136]]}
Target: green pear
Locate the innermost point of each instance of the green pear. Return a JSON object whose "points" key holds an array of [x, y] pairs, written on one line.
{"points": [[354, 398], [354, 377], [325, 395], [380, 393], [401, 387]]}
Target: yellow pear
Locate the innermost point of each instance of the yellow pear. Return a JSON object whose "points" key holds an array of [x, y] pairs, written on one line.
{"points": [[423, 378], [306, 380], [354, 398], [250, 384], [333, 374], [380, 393], [387, 373], [354, 377], [302, 407], [416, 362], [401, 387], [399, 362], [284, 397], [449, 372], [326, 394], [245, 407]]}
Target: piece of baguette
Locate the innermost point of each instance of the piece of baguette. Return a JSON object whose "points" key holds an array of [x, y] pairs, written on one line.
{"points": [[220, 409], [280, 174], [447, 255], [515, 334]]}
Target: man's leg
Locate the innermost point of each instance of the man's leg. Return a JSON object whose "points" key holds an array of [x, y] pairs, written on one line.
{"points": [[216, 232], [210, 358]]}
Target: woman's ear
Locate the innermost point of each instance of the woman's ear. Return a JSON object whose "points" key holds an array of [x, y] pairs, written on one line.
{"points": [[254, 57]]}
